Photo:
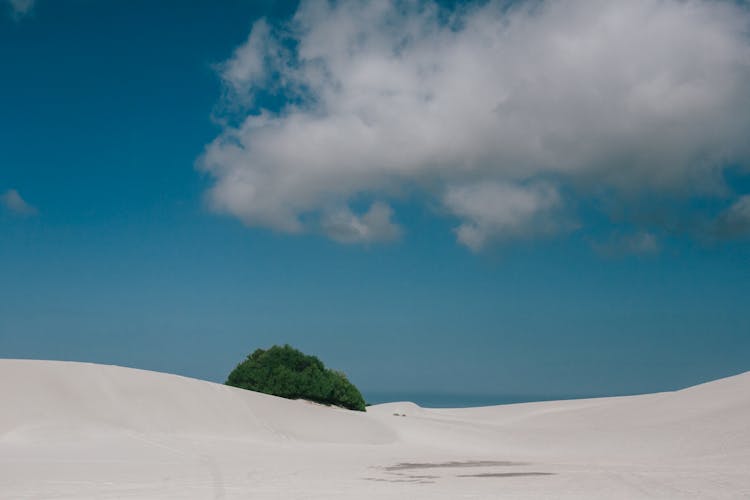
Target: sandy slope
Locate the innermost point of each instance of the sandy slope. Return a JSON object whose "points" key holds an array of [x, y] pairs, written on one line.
{"points": [[77, 430]]}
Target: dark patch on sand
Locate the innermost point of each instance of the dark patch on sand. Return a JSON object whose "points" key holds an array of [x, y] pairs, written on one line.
{"points": [[447, 465], [400, 473], [507, 474]]}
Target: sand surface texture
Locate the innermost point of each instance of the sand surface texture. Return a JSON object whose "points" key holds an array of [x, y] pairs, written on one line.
{"points": [[78, 430]]}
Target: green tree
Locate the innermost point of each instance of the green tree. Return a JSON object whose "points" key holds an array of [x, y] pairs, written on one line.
{"points": [[286, 372]]}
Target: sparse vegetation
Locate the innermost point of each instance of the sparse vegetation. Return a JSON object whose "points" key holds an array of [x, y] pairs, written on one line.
{"points": [[289, 373]]}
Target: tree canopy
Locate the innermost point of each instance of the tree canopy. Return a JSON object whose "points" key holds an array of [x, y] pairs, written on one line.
{"points": [[289, 373]]}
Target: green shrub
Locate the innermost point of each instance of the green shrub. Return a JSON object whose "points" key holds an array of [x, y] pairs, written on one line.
{"points": [[289, 373]]}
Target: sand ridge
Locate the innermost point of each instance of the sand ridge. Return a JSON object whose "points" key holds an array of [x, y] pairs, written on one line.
{"points": [[81, 430]]}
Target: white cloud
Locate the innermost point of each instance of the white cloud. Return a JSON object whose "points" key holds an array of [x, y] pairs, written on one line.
{"points": [[21, 8], [373, 226], [493, 211], [493, 102], [13, 202]]}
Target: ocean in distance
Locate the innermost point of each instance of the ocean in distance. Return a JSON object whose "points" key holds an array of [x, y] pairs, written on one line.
{"points": [[438, 400]]}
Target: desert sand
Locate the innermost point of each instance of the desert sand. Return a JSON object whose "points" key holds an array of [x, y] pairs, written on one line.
{"points": [[79, 430]]}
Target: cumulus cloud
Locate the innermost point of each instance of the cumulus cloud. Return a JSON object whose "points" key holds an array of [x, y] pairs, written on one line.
{"points": [[13, 202], [373, 226], [492, 110], [493, 210], [21, 8]]}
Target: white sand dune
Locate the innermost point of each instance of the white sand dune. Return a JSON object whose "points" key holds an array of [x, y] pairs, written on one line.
{"points": [[78, 430]]}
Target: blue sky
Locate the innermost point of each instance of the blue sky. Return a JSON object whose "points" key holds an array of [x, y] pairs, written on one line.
{"points": [[183, 182]]}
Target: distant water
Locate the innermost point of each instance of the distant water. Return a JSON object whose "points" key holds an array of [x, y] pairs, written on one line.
{"points": [[437, 400]]}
